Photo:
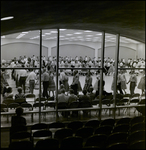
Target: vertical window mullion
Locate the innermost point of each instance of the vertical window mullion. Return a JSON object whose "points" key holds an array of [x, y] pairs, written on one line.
{"points": [[57, 66], [116, 71], [101, 73], [40, 76]]}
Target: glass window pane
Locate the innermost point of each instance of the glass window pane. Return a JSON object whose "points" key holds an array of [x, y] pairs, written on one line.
{"points": [[20, 48]]}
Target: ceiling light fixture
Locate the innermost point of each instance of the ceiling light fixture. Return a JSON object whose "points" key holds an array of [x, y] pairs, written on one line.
{"points": [[2, 37], [88, 31], [62, 29], [69, 34], [7, 18], [77, 33], [24, 32]]}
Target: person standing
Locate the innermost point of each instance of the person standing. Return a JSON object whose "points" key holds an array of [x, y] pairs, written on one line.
{"points": [[133, 82], [75, 84], [88, 82], [123, 81], [141, 84], [45, 80], [22, 78], [65, 82], [31, 79], [62, 75], [51, 86], [119, 88]]}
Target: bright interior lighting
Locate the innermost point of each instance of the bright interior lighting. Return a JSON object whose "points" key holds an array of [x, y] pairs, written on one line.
{"points": [[89, 35], [24, 32], [7, 18], [69, 34], [88, 31], [2, 36], [53, 31], [62, 29], [47, 33], [77, 33]]}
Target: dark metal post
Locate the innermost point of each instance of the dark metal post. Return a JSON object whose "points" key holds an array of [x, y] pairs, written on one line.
{"points": [[116, 72], [101, 73], [40, 76], [57, 66]]}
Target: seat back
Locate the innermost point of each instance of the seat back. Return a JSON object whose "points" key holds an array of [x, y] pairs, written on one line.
{"points": [[23, 135], [75, 125], [39, 126], [85, 104], [8, 101], [95, 102], [117, 137], [30, 95], [119, 145], [74, 104], [92, 123], [97, 140], [135, 136], [27, 105], [56, 125], [84, 132], [123, 121], [3, 107], [63, 133], [137, 126], [136, 119], [13, 105], [110, 122], [62, 105], [20, 100], [105, 129], [43, 99], [47, 144], [72, 142], [121, 128], [21, 145], [140, 144]]}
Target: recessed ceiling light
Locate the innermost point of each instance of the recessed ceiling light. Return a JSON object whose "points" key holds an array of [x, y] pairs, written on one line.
{"points": [[79, 37], [77, 33], [62, 29], [53, 31], [24, 32], [88, 31], [7, 18], [69, 34], [99, 34], [2, 37], [89, 35], [47, 33]]}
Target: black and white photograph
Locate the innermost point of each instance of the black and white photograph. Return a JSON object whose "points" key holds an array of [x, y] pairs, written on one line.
{"points": [[72, 74]]}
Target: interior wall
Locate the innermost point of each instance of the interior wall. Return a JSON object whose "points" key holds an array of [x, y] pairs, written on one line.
{"points": [[124, 52], [141, 50], [11, 50], [73, 50]]}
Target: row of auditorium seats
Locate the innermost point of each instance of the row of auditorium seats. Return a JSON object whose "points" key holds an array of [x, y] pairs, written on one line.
{"points": [[108, 133]]}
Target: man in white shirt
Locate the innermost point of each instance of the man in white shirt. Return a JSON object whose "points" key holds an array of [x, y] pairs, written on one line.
{"points": [[22, 75], [31, 78]]}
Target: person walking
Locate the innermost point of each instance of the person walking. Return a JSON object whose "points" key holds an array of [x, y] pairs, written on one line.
{"points": [[133, 82], [88, 82], [45, 80], [31, 79]]}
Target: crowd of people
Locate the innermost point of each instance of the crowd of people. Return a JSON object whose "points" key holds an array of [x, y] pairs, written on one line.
{"points": [[29, 78]]}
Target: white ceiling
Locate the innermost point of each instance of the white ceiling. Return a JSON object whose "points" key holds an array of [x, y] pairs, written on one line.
{"points": [[69, 35]]}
